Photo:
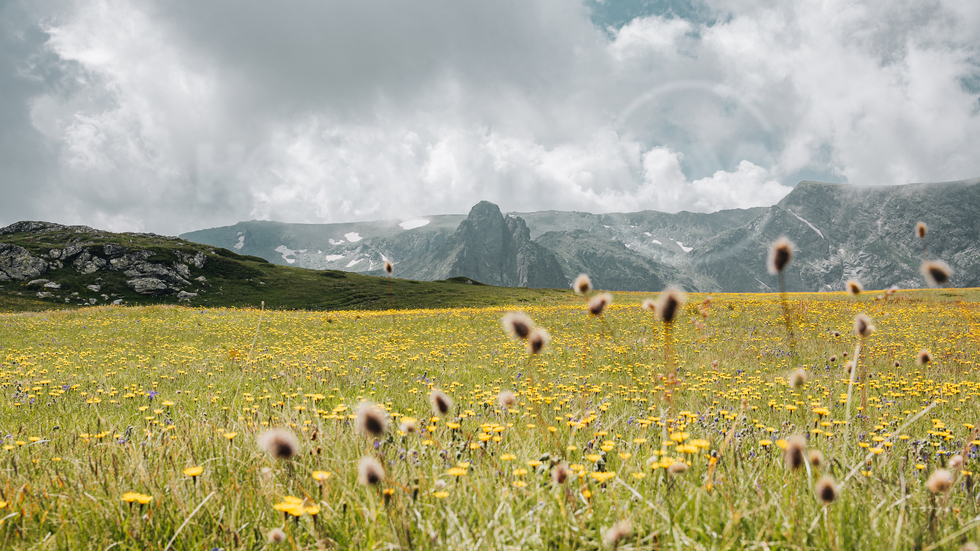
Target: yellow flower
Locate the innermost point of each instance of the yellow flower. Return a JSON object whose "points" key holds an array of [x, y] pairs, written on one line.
{"points": [[765, 443], [321, 476], [456, 471], [143, 499], [508, 457], [441, 494], [129, 497], [291, 505], [603, 477], [193, 471], [230, 435]]}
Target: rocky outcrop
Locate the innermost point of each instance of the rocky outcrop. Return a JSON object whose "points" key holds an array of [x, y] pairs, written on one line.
{"points": [[17, 263], [490, 248]]}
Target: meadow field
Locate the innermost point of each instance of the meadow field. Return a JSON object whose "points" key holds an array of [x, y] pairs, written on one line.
{"points": [[149, 427]]}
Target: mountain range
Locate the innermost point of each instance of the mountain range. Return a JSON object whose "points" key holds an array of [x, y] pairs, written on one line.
{"points": [[840, 232]]}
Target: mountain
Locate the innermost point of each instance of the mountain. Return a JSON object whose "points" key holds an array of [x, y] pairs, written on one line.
{"points": [[840, 232], [45, 265], [493, 249]]}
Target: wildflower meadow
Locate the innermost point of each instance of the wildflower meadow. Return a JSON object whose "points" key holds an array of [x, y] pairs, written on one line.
{"points": [[742, 421]]}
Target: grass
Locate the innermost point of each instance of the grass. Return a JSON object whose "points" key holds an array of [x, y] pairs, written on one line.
{"points": [[98, 403]]}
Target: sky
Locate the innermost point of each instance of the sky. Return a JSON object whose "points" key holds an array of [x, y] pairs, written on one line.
{"points": [[171, 116]]}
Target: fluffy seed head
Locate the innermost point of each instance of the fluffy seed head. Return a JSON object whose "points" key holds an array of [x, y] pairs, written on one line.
{"points": [[517, 324], [678, 467], [560, 474], [370, 420], [780, 253], [939, 481], [388, 267], [956, 462], [969, 546], [854, 287], [797, 378], [616, 532], [862, 326], [669, 304], [276, 535], [370, 472], [649, 304], [506, 399], [582, 284], [537, 340], [279, 443], [826, 489], [936, 272], [816, 458], [441, 404], [793, 454], [408, 425], [920, 230], [598, 303], [923, 357], [833, 358], [848, 366]]}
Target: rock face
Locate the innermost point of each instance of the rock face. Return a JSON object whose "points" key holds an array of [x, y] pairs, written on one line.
{"points": [[17, 263], [493, 249]]}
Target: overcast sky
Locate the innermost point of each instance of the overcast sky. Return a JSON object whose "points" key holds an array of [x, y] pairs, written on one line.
{"points": [[178, 115]]}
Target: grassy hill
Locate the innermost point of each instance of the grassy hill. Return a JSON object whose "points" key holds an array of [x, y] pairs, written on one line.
{"points": [[231, 279]]}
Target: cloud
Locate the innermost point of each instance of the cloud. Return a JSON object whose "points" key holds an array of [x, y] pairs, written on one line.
{"points": [[173, 116]]}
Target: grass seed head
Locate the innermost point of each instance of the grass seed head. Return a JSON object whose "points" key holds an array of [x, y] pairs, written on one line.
{"points": [[560, 474], [854, 287], [598, 303], [441, 403], [862, 326], [793, 457], [936, 272], [826, 489], [923, 357], [537, 340], [582, 284], [279, 443], [816, 458], [506, 399], [920, 230], [370, 420], [370, 472], [780, 253], [276, 535], [797, 378], [617, 532], [669, 303], [677, 468], [517, 324], [939, 481]]}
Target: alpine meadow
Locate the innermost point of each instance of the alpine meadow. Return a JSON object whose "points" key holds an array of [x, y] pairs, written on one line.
{"points": [[805, 421]]}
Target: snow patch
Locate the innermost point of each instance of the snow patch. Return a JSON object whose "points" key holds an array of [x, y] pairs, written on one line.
{"points": [[241, 241], [337, 241], [302, 251], [353, 237], [286, 251], [352, 263], [333, 257], [648, 234], [683, 248], [814, 228], [657, 242], [412, 224]]}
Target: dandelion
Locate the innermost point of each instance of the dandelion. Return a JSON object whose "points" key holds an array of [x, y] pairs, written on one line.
{"points": [[853, 287], [826, 489], [518, 325], [616, 532], [923, 357], [370, 472], [780, 253], [939, 481], [862, 326], [582, 284], [793, 457], [370, 420], [506, 399], [598, 303], [797, 378], [537, 340], [441, 404], [279, 443], [320, 476], [276, 535], [193, 472], [669, 304], [936, 272]]}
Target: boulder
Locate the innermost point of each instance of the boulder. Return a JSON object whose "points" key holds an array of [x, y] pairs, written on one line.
{"points": [[184, 295], [113, 250], [124, 262], [52, 285], [182, 269], [94, 288], [70, 251], [88, 264], [155, 271], [197, 259], [45, 294], [148, 286], [17, 263], [37, 282]]}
